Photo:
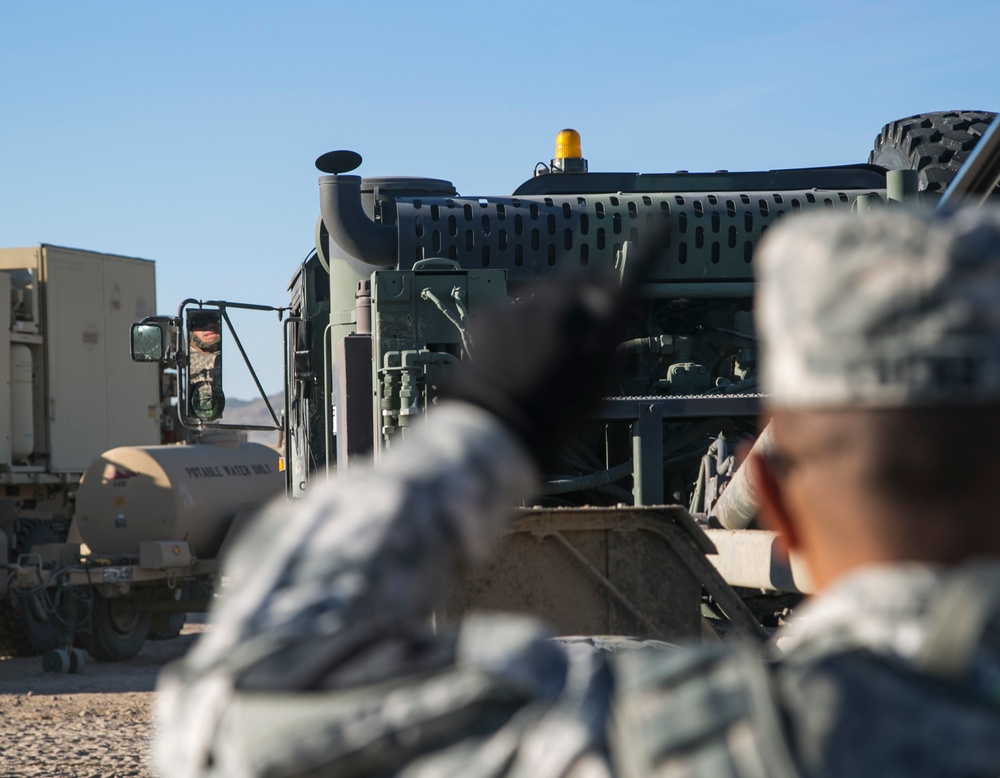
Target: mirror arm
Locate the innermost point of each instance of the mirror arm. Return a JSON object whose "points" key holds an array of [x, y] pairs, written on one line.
{"points": [[182, 366], [246, 361]]}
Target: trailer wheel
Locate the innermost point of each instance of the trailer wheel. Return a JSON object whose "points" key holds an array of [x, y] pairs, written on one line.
{"points": [[117, 629], [22, 630], [935, 144]]}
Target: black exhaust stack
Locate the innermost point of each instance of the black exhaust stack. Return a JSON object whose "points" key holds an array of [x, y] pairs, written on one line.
{"points": [[349, 204]]}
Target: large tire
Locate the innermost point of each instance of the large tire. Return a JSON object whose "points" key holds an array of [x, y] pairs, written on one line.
{"points": [[935, 144], [22, 631], [117, 629]]}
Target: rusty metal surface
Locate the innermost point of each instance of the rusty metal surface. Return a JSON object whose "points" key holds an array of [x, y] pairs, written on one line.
{"points": [[621, 571], [621, 518]]}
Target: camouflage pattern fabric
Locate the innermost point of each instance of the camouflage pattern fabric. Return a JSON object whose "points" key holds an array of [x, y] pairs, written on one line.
{"points": [[848, 690], [205, 382], [355, 570], [891, 309], [323, 659], [864, 694]]}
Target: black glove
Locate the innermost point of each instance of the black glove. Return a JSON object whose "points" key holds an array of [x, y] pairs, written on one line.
{"points": [[542, 365]]}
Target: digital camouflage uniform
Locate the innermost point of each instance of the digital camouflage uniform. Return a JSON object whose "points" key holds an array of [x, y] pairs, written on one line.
{"points": [[205, 382], [323, 659]]}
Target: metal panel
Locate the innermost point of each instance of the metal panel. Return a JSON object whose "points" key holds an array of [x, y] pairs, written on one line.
{"points": [[96, 397], [420, 321], [530, 575], [75, 340], [685, 406], [355, 427], [26, 327], [838, 177], [132, 388], [592, 571], [711, 237], [647, 570], [29, 260]]}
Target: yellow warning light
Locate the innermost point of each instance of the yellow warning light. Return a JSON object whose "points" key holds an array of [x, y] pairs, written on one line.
{"points": [[568, 145], [281, 464]]}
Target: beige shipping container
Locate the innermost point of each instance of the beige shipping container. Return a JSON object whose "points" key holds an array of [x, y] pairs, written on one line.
{"points": [[72, 309]]}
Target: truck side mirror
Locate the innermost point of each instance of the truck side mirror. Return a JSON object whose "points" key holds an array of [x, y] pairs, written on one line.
{"points": [[153, 340], [206, 400], [146, 343]]}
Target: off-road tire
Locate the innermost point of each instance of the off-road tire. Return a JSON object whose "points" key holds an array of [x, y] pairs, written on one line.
{"points": [[117, 630], [22, 633], [935, 144]]}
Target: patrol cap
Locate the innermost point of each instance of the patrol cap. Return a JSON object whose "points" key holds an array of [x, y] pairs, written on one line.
{"points": [[897, 308]]}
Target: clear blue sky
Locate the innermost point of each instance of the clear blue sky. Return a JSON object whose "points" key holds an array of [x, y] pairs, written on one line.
{"points": [[186, 132]]}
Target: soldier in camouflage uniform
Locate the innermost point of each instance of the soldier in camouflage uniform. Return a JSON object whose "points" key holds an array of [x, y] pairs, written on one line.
{"points": [[205, 395], [882, 365]]}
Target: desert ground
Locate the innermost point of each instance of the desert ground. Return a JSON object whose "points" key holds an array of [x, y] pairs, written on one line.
{"points": [[95, 724]]}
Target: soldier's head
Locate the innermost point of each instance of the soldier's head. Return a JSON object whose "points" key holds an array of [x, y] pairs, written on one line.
{"points": [[880, 342], [205, 329]]}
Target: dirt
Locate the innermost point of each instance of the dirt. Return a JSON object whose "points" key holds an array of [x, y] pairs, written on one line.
{"points": [[93, 724]]}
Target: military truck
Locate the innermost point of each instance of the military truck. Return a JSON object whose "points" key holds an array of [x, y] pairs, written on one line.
{"points": [[70, 392], [624, 538], [102, 550]]}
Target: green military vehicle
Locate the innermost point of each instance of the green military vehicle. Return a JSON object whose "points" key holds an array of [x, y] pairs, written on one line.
{"points": [[625, 538]]}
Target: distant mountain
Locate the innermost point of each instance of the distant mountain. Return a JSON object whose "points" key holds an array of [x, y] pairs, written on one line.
{"points": [[233, 404], [255, 412]]}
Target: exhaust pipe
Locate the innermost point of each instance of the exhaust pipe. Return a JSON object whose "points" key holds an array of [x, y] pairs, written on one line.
{"points": [[349, 226]]}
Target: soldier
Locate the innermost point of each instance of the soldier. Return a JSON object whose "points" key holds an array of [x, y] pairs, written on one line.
{"points": [[205, 395], [881, 344]]}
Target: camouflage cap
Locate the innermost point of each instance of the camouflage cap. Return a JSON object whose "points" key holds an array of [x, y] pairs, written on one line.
{"points": [[895, 308]]}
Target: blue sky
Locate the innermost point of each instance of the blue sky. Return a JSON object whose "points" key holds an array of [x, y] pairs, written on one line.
{"points": [[186, 132]]}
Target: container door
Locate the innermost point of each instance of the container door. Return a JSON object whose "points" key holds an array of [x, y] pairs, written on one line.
{"points": [[76, 338], [132, 388]]}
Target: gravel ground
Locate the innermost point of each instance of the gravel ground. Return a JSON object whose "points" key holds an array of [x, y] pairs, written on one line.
{"points": [[95, 724]]}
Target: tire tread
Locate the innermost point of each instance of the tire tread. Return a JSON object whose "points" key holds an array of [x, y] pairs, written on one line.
{"points": [[935, 144]]}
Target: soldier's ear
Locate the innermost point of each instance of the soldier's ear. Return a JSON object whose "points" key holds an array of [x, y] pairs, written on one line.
{"points": [[773, 513]]}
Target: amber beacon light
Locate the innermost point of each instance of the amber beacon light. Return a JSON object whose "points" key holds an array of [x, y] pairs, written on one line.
{"points": [[569, 156]]}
